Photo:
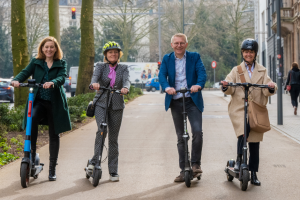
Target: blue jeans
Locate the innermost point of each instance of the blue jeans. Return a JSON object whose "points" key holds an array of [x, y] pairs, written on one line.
{"points": [[195, 118]]}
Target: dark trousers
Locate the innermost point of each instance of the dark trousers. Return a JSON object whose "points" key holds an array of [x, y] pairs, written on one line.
{"points": [[195, 118], [43, 109], [253, 151], [295, 90]]}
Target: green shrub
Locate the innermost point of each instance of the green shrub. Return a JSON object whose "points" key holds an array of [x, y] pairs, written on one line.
{"points": [[6, 158]]}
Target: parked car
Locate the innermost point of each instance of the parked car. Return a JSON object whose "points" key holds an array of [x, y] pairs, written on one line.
{"points": [[6, 90], [152, 84], [67, 85], [216, 85]]}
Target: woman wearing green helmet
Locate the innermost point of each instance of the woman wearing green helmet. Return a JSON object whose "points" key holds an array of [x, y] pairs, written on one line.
{"points": [[110, 74]]}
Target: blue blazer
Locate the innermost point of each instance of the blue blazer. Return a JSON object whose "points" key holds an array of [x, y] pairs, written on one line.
{"points": [[195, 75]]}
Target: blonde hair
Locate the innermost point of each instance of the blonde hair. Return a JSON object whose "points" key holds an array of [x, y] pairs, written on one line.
{"points": [[179, 35], [58, 54]]}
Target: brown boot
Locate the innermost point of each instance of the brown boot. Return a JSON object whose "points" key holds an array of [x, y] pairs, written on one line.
{"points": [[295, 110], [180, 178], [196, 169]]}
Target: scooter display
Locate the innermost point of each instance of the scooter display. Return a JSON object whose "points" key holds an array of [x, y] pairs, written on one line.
{"points": [[96, 174], [29, 169], [188, 172], [243, 173]]}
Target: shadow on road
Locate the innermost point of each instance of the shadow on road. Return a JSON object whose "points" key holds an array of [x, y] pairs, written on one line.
{"points": [[162, 192], [80, 186]]}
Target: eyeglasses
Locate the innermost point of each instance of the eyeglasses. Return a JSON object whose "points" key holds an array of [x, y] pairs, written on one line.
{"points": [[179, 44]]}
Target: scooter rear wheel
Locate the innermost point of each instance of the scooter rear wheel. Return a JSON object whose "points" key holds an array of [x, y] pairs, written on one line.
{"points": [[25, 175], [245, 179], [187, 178], [97, 174]]}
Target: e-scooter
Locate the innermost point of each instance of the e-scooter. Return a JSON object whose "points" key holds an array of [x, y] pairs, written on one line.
{"points": [[188, 172], [29, 169], [243, 173], [96, 174]]}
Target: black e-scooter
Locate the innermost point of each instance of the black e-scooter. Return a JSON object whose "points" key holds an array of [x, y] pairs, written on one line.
{"points": [[243, 173], [96, 174], [188, 172], [29, 169]]}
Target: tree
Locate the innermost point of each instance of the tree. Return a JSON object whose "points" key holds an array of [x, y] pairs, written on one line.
{"points": [[241, 23], [36, 24], [87, 53], [6, 66], [70, 44], [19, 45], [54, 25], [127, 24]]}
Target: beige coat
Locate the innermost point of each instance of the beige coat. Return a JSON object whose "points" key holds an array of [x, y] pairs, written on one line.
{"points": [[236, 104]]}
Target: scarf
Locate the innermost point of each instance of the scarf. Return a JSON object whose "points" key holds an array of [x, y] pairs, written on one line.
{"points": [[112, 75]]}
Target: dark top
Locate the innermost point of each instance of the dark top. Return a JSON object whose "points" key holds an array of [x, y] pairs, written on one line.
{"points": [[294, 74], [56, 74], [44, 94]]}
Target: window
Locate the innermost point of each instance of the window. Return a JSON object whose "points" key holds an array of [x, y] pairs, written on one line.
{"points": [[73, 1]]}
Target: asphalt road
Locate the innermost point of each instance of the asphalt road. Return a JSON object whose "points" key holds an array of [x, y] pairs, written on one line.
{"points": [[148, 161]]}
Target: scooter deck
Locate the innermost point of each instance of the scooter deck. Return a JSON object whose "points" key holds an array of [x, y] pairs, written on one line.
{"points": [[230, 171]]}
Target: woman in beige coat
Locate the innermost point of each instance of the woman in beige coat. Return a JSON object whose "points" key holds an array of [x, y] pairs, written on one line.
{"points": [[256, 74]]}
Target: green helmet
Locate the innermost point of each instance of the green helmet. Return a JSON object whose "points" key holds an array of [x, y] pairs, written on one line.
{"points": [[111, 45]]}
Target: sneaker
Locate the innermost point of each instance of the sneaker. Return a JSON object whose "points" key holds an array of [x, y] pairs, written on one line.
{"points": [[180, 178], [114, 177]]}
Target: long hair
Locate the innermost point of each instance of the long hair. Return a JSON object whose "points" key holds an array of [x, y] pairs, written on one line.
{"points": [[58, 54]]}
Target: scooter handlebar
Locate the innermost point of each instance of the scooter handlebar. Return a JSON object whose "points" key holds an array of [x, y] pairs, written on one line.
{"points": [[31, 85], [245, 84]]}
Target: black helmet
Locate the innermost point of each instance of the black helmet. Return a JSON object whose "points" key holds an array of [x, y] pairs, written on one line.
{"points": [[250, 44]]}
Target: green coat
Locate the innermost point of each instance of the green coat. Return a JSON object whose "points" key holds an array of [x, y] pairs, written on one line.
{"points": [[57, 74]]}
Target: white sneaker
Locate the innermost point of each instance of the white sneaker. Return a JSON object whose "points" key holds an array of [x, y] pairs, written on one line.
{"points": [[91, 167], [114, 177]]}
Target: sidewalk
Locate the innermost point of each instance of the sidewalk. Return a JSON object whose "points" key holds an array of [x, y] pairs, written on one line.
{"points": [[291, 122]]}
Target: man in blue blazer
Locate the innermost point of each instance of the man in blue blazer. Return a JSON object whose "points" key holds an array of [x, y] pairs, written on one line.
{"points": [[183, 69]]}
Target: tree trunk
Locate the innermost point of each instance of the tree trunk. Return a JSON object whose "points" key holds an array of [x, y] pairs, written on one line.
{"points": [[87, 52], [54, 25], [19, 46]]}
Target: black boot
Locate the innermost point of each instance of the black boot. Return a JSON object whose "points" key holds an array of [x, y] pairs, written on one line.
{"points": [[33, 158], [254, 179], [52, 175], [238, 162]]}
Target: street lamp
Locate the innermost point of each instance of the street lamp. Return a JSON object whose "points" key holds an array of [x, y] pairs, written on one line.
{"points": [[183, 24]]}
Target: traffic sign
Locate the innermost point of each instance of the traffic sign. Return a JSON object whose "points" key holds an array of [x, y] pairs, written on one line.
{"points": [[213, 64], [278, 56]]}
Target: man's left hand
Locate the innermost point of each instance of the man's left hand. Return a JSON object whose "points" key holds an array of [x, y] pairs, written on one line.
{"points": [[271, 85], [195, 88]]}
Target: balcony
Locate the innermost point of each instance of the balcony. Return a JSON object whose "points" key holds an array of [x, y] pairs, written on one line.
{"points": [[287, 18]]}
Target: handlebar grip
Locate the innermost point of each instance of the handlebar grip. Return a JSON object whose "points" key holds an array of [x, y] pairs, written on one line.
{"points": [[220, 83]]}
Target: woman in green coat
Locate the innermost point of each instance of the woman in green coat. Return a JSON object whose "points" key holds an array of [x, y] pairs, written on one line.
{"points": [[50, 105]]}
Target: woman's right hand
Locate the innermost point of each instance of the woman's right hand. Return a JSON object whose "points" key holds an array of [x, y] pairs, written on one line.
{"points": [[225, 83], [15, 84], [96, 86]]}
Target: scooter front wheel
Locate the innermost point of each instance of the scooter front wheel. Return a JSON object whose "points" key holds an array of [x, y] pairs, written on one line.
{"points": [[24, 175], [96, 178], [245, 179], [187, 178]]}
